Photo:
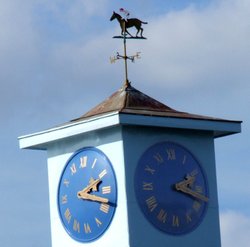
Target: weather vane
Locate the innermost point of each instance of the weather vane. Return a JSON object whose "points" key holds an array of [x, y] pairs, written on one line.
{"points": [[126, 23]]}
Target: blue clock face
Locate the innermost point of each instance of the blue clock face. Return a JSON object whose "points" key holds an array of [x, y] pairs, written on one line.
{"points": [[87, 195], [171, 188]]}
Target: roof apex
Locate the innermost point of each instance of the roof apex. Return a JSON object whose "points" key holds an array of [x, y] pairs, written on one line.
{"points": [[129, 100]]}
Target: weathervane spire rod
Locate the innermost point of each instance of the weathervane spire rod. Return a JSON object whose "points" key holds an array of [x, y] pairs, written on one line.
{"points": [[125, 24], [125, 54]]}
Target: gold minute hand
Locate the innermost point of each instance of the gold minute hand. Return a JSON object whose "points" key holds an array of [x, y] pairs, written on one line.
{"points": [[87, 196], [185, 189]]}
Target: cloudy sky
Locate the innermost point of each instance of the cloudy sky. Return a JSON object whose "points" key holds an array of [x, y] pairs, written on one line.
{"points": [[54, 66]]}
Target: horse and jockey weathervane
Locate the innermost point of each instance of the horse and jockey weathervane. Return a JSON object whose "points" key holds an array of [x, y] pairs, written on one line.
{"points": [[126, 23]]}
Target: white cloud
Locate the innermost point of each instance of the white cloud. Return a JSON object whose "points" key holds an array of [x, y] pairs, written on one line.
{"points": [[196, 47], [235, 229], [19, 51], [74, 15], [97, 7]]}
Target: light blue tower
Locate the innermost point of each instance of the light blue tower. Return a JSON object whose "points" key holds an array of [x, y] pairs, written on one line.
{"points": [[162, 189]]}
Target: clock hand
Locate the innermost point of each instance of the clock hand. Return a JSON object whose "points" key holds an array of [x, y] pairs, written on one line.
{"points": [[92, 185], [90, 197], [183, 187], [195, 194], [84, 194], [188, 181]]}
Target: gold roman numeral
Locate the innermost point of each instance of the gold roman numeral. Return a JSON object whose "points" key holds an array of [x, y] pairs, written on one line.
{"points": [[198, 189], [104, 208], [147, 186], [66, 182], [64, 199], [188, 218], [176, 222], [194, 173], [150, 170], [73, 169], [98, 222], [171, 154], [94, 162], [151, 203], [67, 215], [83, 161], [76, 226], [196, 206], [162, 216], [103, 173], [184, 159], [87, 228], [158, 158], [106, 189]]}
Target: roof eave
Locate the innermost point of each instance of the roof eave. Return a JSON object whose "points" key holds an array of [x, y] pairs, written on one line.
{"points": [[41, 140]]}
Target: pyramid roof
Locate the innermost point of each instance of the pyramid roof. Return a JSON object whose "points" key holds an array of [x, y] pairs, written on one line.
{"points": [[129, 100]]}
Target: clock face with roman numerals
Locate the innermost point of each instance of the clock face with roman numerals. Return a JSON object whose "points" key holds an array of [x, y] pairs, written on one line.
{"points": [[171, 188], [87, 194]]}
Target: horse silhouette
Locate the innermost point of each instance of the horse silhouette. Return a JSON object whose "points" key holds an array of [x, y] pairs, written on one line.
{"points": [[131, 22]]}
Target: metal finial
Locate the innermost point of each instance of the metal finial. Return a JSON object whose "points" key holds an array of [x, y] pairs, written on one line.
{"points": [[125, 24]]}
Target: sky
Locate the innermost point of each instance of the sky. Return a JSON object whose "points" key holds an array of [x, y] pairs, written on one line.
{"points": [[55, 66]]}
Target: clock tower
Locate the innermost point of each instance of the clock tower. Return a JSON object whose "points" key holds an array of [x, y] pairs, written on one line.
{"points": [[133, 172]]}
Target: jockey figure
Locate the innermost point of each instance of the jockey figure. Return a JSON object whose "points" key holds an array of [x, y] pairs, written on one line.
{"points": [[125, 14]]}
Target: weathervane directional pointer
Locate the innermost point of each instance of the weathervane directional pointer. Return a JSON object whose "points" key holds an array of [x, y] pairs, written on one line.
{"points": [[131, 58], [125, 24]]}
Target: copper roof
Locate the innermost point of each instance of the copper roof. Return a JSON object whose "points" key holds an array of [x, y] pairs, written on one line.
{"points": [[131, 101]]}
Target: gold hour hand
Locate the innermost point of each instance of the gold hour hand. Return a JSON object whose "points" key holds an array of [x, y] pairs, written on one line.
{"points": [[87, 196], [188, 181], [92, 185], [192, 193]]}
